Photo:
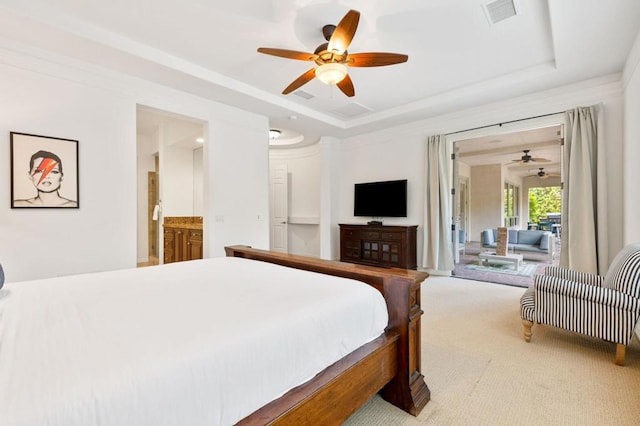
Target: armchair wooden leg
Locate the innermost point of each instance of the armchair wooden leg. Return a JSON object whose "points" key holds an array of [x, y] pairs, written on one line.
{"points": [[526, 324], [621, 351]]}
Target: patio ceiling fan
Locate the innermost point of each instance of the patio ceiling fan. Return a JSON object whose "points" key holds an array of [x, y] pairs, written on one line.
{"points": [[526, 158], [332, 57], [544, 175]]}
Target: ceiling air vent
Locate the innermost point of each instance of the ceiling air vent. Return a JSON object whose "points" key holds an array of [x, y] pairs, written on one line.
{"points": [[499, 10], [303, 94], [351, 110]]}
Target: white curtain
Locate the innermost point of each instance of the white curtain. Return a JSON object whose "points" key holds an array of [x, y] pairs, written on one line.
{"points": [[437, 250], [584, 204]]}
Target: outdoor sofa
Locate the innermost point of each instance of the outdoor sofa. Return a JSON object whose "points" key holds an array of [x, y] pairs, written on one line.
{"points": [[531, 241]]}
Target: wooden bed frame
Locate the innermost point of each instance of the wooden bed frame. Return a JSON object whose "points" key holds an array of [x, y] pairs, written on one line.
{"points": [[390, 364]]}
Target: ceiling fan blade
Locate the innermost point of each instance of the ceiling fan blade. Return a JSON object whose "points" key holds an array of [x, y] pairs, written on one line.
{"points": [[375, 59], [346, 85], [344, 32], [298, 82], [289, 54], [540, 160]]}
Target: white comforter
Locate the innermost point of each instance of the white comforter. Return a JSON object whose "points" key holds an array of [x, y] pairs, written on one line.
{"points": [[195, 343]]}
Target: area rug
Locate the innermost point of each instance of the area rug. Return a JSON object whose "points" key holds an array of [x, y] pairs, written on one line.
{"points": [[526, 269]]}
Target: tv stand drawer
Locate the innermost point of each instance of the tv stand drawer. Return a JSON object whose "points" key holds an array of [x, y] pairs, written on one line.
{"points": [[391, 236]]}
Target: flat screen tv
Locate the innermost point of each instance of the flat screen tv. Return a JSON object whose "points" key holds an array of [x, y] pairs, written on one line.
{"points": [[381, 199]]}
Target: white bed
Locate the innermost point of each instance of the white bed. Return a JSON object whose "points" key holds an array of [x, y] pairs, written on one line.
{"points": [[178, 344]]}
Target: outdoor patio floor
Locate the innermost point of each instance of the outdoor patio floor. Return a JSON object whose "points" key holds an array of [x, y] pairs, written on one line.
{"points": [[473, 248]]}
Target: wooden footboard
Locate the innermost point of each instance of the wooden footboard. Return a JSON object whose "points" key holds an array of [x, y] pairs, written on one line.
{"points": [[406, 388], [336, 392]]}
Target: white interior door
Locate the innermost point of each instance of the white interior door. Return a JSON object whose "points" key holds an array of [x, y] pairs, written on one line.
{"points": [[279, 208]]}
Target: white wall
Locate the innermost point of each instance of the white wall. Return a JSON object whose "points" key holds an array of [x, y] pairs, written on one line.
{"points": [[236, 181], [331, 176], [485, 201], [363, 162], [632, 146], [98, 108], [176, 180]]}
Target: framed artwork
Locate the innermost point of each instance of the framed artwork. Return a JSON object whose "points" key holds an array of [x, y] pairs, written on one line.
{"points": [[44, 172]]}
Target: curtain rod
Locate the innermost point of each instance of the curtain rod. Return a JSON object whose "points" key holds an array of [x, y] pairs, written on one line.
{"points": [[504, 122]]}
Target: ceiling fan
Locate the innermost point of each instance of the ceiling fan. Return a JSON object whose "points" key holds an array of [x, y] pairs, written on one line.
{"points": [[526, 158], [544, 175], [332, 57]]}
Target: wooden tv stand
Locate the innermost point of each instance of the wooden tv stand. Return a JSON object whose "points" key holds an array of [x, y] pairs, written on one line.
{"points": [[379, 245]]}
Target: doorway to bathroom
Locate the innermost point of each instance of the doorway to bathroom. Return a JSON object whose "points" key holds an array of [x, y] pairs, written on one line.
{"points": [[169, 178]]}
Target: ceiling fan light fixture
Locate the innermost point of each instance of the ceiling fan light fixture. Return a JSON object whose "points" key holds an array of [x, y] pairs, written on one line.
{"points": [[331, 73], [332, 57]]}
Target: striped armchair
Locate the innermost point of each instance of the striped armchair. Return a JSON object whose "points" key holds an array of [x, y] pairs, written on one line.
{"points": [[607, 307]]}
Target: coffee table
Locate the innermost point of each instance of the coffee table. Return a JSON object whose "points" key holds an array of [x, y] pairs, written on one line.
{"points": [[486, 256]]}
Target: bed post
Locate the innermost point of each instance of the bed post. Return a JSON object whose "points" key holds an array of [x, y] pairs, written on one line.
{"points": [[408, 389], [401, 290]]}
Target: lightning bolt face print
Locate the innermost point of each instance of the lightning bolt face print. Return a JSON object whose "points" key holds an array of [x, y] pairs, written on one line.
{"points": [[45, 173], [45, 167]]}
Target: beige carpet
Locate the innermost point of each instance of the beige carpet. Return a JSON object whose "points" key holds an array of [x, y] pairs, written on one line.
{"points": [[481, 372]]}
